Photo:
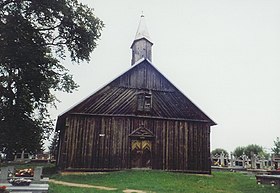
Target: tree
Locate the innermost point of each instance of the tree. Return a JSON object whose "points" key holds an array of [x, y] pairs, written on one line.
{"points": [[238, 151], [249, 150], [34, 35], [218, 151], [276, 148], [254, 149], [53, 148]]}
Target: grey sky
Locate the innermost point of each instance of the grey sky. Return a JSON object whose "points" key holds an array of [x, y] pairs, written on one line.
{"points": [[224, 55]]}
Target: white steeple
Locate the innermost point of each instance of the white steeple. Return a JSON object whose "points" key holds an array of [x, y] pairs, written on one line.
{"points": [[142, 31], [142, 44]]}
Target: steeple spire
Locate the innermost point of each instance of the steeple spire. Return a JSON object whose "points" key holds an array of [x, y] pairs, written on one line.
{"points": [[142, 31], [142, 44]]}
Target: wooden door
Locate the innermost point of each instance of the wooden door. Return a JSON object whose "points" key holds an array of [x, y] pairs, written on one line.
{"points": [[141, 153]]}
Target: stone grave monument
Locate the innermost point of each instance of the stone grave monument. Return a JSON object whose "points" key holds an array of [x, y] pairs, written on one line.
{"points": [[37, 185]]}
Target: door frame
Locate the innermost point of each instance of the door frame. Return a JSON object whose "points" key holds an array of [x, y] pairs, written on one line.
{"points": [[141, 134], [141, 165]]}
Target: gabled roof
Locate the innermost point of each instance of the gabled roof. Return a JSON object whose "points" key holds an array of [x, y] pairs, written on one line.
{"points": [[118, 98]]}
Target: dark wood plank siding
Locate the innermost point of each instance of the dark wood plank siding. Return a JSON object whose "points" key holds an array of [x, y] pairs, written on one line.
{"points": [[199, 147], [177, 145], [119, 97], [144, 76]]}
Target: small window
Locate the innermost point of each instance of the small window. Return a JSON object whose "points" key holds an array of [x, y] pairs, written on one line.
{"points": [[144, 102], [148, 102]]}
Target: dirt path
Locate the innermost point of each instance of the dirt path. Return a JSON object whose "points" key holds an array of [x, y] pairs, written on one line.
{"points": [[133, 191], [92, 186], [80, 185]]}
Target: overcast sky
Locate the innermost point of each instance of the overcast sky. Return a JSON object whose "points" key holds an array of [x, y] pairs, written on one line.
{"points": [[224, 55]]}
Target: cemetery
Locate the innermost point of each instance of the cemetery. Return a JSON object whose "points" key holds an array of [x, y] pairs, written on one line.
{"points": [[256, 170], [27, 180], [265, 170], [242, 169]]}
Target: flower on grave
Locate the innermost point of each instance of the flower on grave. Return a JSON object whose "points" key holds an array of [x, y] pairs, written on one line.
{"points": [[3, 189], [28, 172], [19, 182]]}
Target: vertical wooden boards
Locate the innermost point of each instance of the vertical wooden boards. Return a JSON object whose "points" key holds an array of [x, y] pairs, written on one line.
{"points": [[170, 145], [144, 76], [186, 147], [198, 147], [102, 143]]}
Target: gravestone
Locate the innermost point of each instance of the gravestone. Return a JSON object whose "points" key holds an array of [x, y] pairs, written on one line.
{"points": [[4, 173], [32, 188], [222, 158], [10, 170], [243, 160], [231, 159], [38, 173], [39, 185], [262, 166], [253, 161]]}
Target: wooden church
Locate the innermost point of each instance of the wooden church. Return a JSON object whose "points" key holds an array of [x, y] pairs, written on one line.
{"points": [[138, 120]]}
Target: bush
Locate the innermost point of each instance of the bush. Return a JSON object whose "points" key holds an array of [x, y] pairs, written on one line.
{"points": [[49, 170]]}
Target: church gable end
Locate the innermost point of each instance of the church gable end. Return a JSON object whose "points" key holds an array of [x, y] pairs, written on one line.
{"points": [[138, 120], [143, 91]]}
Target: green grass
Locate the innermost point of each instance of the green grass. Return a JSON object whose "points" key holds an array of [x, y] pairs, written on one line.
{"points": [[53, 188], [156, 181], [161, 182]]}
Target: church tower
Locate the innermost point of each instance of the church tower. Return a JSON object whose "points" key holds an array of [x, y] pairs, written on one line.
{"points": [[142, 45]]}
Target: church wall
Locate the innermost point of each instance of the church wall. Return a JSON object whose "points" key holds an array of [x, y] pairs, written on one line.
{"points": [[103, 143], [199, 147]]}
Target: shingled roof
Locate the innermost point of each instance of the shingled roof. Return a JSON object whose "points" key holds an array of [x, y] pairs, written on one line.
{"points": [[118, 98]]}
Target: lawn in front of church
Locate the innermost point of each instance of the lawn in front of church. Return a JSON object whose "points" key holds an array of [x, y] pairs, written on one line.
{"points": [[162, 181]]}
